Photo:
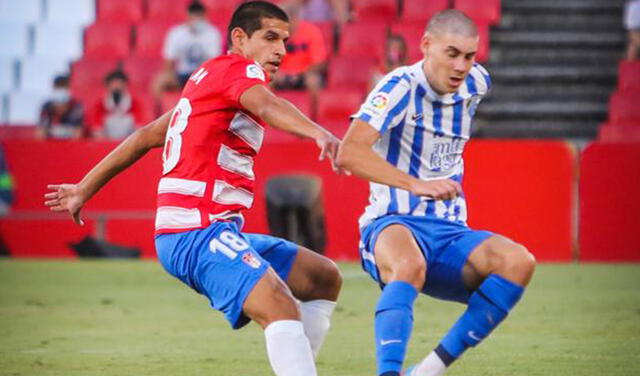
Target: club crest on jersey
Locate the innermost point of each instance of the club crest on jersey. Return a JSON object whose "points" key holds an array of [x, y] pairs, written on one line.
{"points": [[249, 259], [254, 71]]}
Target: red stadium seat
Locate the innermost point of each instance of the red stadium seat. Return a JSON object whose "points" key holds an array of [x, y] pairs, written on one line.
{"points": [[363, 39], [629, 75], [335, 106], [421, 10], [141, 72], [485, 11], [300, 99], [619, 133], [623, 107], [150, 37], [120, 10], [342, 74], [483, 45], [107, 40], [167, 10], [375, 10], [88, 75], [412, 33], [328, 32]]}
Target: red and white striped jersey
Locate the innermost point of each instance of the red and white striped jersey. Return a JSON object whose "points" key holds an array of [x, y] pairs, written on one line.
{"points": [[209, 148]]}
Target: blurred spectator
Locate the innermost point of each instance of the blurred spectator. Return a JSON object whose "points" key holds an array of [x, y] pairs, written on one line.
{"points": [[396, 55], [6, 195], [186, 47], [61, 116], [632, 23], [117, 113], [6, 185], [324, 10], [306, 58]]}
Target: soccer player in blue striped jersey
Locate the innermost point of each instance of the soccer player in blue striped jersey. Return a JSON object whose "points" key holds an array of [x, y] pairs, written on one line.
{"points": [[408, 139]]}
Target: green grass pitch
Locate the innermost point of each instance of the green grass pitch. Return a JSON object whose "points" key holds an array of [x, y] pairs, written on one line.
{"points": [[131, 318]]}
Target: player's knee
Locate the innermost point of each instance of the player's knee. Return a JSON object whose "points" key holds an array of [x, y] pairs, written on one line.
{"points": [[327, 281], [410, 270], [520, 263], [274, 303]]}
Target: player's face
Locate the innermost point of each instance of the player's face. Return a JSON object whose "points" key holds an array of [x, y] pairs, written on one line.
{"points": [[448, 60], [267, 45]]}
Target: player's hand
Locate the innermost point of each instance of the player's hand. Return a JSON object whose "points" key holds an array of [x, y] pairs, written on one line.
{"points": [[66, 198], [329, 145], [441, 189]]}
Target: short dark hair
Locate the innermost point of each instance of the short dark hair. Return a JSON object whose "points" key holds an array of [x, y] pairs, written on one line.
{"points": [[249, 17], [61, 80], [196, 7], [116, 75]]}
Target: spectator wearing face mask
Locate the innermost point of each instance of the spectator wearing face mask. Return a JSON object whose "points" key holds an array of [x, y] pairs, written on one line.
{"points": [[395, 55], [61, 116], [118, 112], [186, 47]]}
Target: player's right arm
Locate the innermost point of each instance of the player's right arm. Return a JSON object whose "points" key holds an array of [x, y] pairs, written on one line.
{"points": [[72, 197], [357, 156], [280, 113]]}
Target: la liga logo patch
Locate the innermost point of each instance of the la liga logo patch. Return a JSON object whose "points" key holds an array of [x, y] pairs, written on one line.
{"points": [[380, 101]]}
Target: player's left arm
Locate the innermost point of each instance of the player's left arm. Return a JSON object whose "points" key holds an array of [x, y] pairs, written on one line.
{"points": [[280, 113], [72, 197]]}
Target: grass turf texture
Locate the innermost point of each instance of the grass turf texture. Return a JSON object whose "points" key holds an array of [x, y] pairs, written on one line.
{"points": [[131, 318]]}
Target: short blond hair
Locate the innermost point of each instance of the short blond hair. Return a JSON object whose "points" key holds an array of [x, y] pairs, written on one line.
{"points": [[452, 21]]}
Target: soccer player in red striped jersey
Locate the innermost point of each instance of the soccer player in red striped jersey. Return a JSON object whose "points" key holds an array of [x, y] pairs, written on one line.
{"points": [[210, 141]]}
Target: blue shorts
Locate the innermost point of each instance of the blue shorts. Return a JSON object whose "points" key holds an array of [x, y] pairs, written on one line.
{"points": [[445, 245], [224, 264]]}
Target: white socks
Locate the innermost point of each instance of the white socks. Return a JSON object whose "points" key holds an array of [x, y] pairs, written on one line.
{"points": [[316, 318], [288, 349], [432, 365]]}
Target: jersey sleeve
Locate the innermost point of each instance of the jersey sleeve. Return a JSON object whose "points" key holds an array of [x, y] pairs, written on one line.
{"points": [[241, 76], [482, 79], [386, 105]]}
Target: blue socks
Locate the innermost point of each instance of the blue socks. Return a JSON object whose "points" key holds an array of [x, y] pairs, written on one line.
{"points": [[487, 307], [393, 325]]}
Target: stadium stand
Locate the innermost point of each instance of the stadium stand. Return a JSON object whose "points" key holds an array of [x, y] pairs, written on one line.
{"points": [[149, 38], [629, 75], [486, 11], [87, 74], [36, 70], [24, 107], [162, 10], [375, 10], [107, 40], [23, 12], [58, 40], [15, 39], [71, 12], [7, 74], [362, 39], [141, 71], [421, 11], [623, 107], [130, 11], [342, 75]]}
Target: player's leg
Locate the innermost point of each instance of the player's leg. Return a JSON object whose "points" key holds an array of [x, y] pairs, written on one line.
{"points": [[272, 305], [402, 268], [220, 263], [316, 281], [497, 271]]}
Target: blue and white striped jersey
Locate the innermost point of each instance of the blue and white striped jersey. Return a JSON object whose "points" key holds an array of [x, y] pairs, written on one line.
{"points": [[423, 134]]}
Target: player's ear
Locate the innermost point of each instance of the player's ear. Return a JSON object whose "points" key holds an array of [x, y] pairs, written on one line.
{"points": [[238, 37], [425, 42]]}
